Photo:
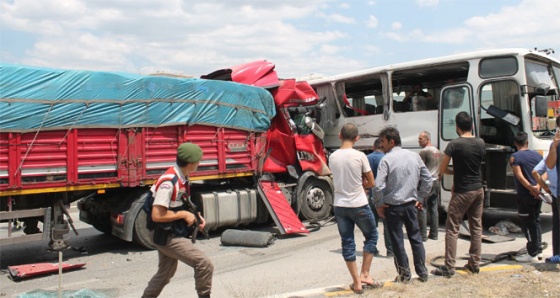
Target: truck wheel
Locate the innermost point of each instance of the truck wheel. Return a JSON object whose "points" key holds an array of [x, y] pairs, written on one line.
{"points": [[316, 199], [142, 235]]}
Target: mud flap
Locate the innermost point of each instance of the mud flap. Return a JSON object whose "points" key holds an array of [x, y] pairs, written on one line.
{"points": [[280, 210], [33, 270]]}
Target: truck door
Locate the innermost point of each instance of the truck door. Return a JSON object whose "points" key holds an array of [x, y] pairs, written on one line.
{"points": [[453, 99]]}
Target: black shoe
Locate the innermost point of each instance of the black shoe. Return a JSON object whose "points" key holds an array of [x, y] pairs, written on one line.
{"points": [[471, 269], [402, 279], [433, 237], [424, 239], [390, 254], [443, 272], [423, 278]]}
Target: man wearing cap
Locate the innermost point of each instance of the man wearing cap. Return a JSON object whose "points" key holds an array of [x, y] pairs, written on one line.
{"points": [[167, 208]]}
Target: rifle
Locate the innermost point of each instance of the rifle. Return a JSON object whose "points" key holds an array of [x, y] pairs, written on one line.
{"points": [[192, 208]]}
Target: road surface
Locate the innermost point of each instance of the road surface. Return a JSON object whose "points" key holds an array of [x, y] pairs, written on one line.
{"points": [[294, 265]]}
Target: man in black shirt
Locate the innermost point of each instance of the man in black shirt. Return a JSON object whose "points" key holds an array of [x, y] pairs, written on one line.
{"points": [[467, 194]]}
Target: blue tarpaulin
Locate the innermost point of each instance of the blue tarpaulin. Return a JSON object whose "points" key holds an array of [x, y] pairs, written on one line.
{"points": [[33, 98]]}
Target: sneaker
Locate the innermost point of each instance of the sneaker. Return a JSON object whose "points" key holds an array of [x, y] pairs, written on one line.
{"points": [[553, 260], [433, 237], [526, 258], [402, 279]]}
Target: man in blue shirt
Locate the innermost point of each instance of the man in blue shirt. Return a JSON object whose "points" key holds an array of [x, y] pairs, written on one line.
{"points": [[552, 162], [528, 203], [374, 158], [544, 174]]}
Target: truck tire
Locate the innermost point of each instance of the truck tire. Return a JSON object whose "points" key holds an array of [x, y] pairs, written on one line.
{"points": [[142, 236], [316, 199]]}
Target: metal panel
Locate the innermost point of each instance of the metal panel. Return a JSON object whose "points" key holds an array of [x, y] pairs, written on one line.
{"points": [[229, 208], [282, 213]]}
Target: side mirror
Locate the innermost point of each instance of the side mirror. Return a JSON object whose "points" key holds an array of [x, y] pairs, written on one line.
{"points": [[541, 106], [315, 128], [542, 89]]}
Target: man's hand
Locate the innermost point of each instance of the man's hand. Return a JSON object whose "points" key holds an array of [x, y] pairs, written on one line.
{"points": [[556, 140], [535, 190], [189, 218], [381, 211], [419, 206], [202, 223]]}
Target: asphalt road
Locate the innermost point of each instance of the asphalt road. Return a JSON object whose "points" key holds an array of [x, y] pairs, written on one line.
{"points": [[297, 265]]}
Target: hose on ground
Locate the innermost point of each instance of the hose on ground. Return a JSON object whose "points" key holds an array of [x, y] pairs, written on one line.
{"points": [[508, 255], [315, 225]]}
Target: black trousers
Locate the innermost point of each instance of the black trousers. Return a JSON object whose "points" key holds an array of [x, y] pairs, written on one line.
{"points": [[528, 210], [555, 226], [396, 216]]}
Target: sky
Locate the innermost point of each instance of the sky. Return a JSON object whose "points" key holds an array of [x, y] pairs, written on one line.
{"points": [[300, 37]]}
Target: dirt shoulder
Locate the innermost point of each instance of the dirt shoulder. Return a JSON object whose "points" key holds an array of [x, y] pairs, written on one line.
{"points": [[538, 280]]}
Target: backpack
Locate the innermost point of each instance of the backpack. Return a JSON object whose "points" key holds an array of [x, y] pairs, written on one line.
{"points": [[149, 202]]}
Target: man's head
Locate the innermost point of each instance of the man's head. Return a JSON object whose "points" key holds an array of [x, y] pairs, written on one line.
{"points": [[521, 139], [390, 138], [377, 144], [188, 153], [424, 139], [463, 121], [349, 132]]}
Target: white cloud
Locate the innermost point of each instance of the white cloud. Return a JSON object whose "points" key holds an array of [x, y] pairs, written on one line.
{"points": [[453, 36], [80, 51], [329, 49], [196, 37], [531, 23], [427, 3], [189, 36], [396, 36], [338, 18], [372, 22]]}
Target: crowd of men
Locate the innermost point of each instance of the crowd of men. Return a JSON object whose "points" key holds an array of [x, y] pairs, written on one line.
{"points": [[397, 185], [405, 190]]}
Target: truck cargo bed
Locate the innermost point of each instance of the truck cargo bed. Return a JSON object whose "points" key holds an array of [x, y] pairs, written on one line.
{"points": [[80, 159]]}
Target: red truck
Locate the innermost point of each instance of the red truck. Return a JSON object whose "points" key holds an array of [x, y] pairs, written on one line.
{"points": [[102, 138]]}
